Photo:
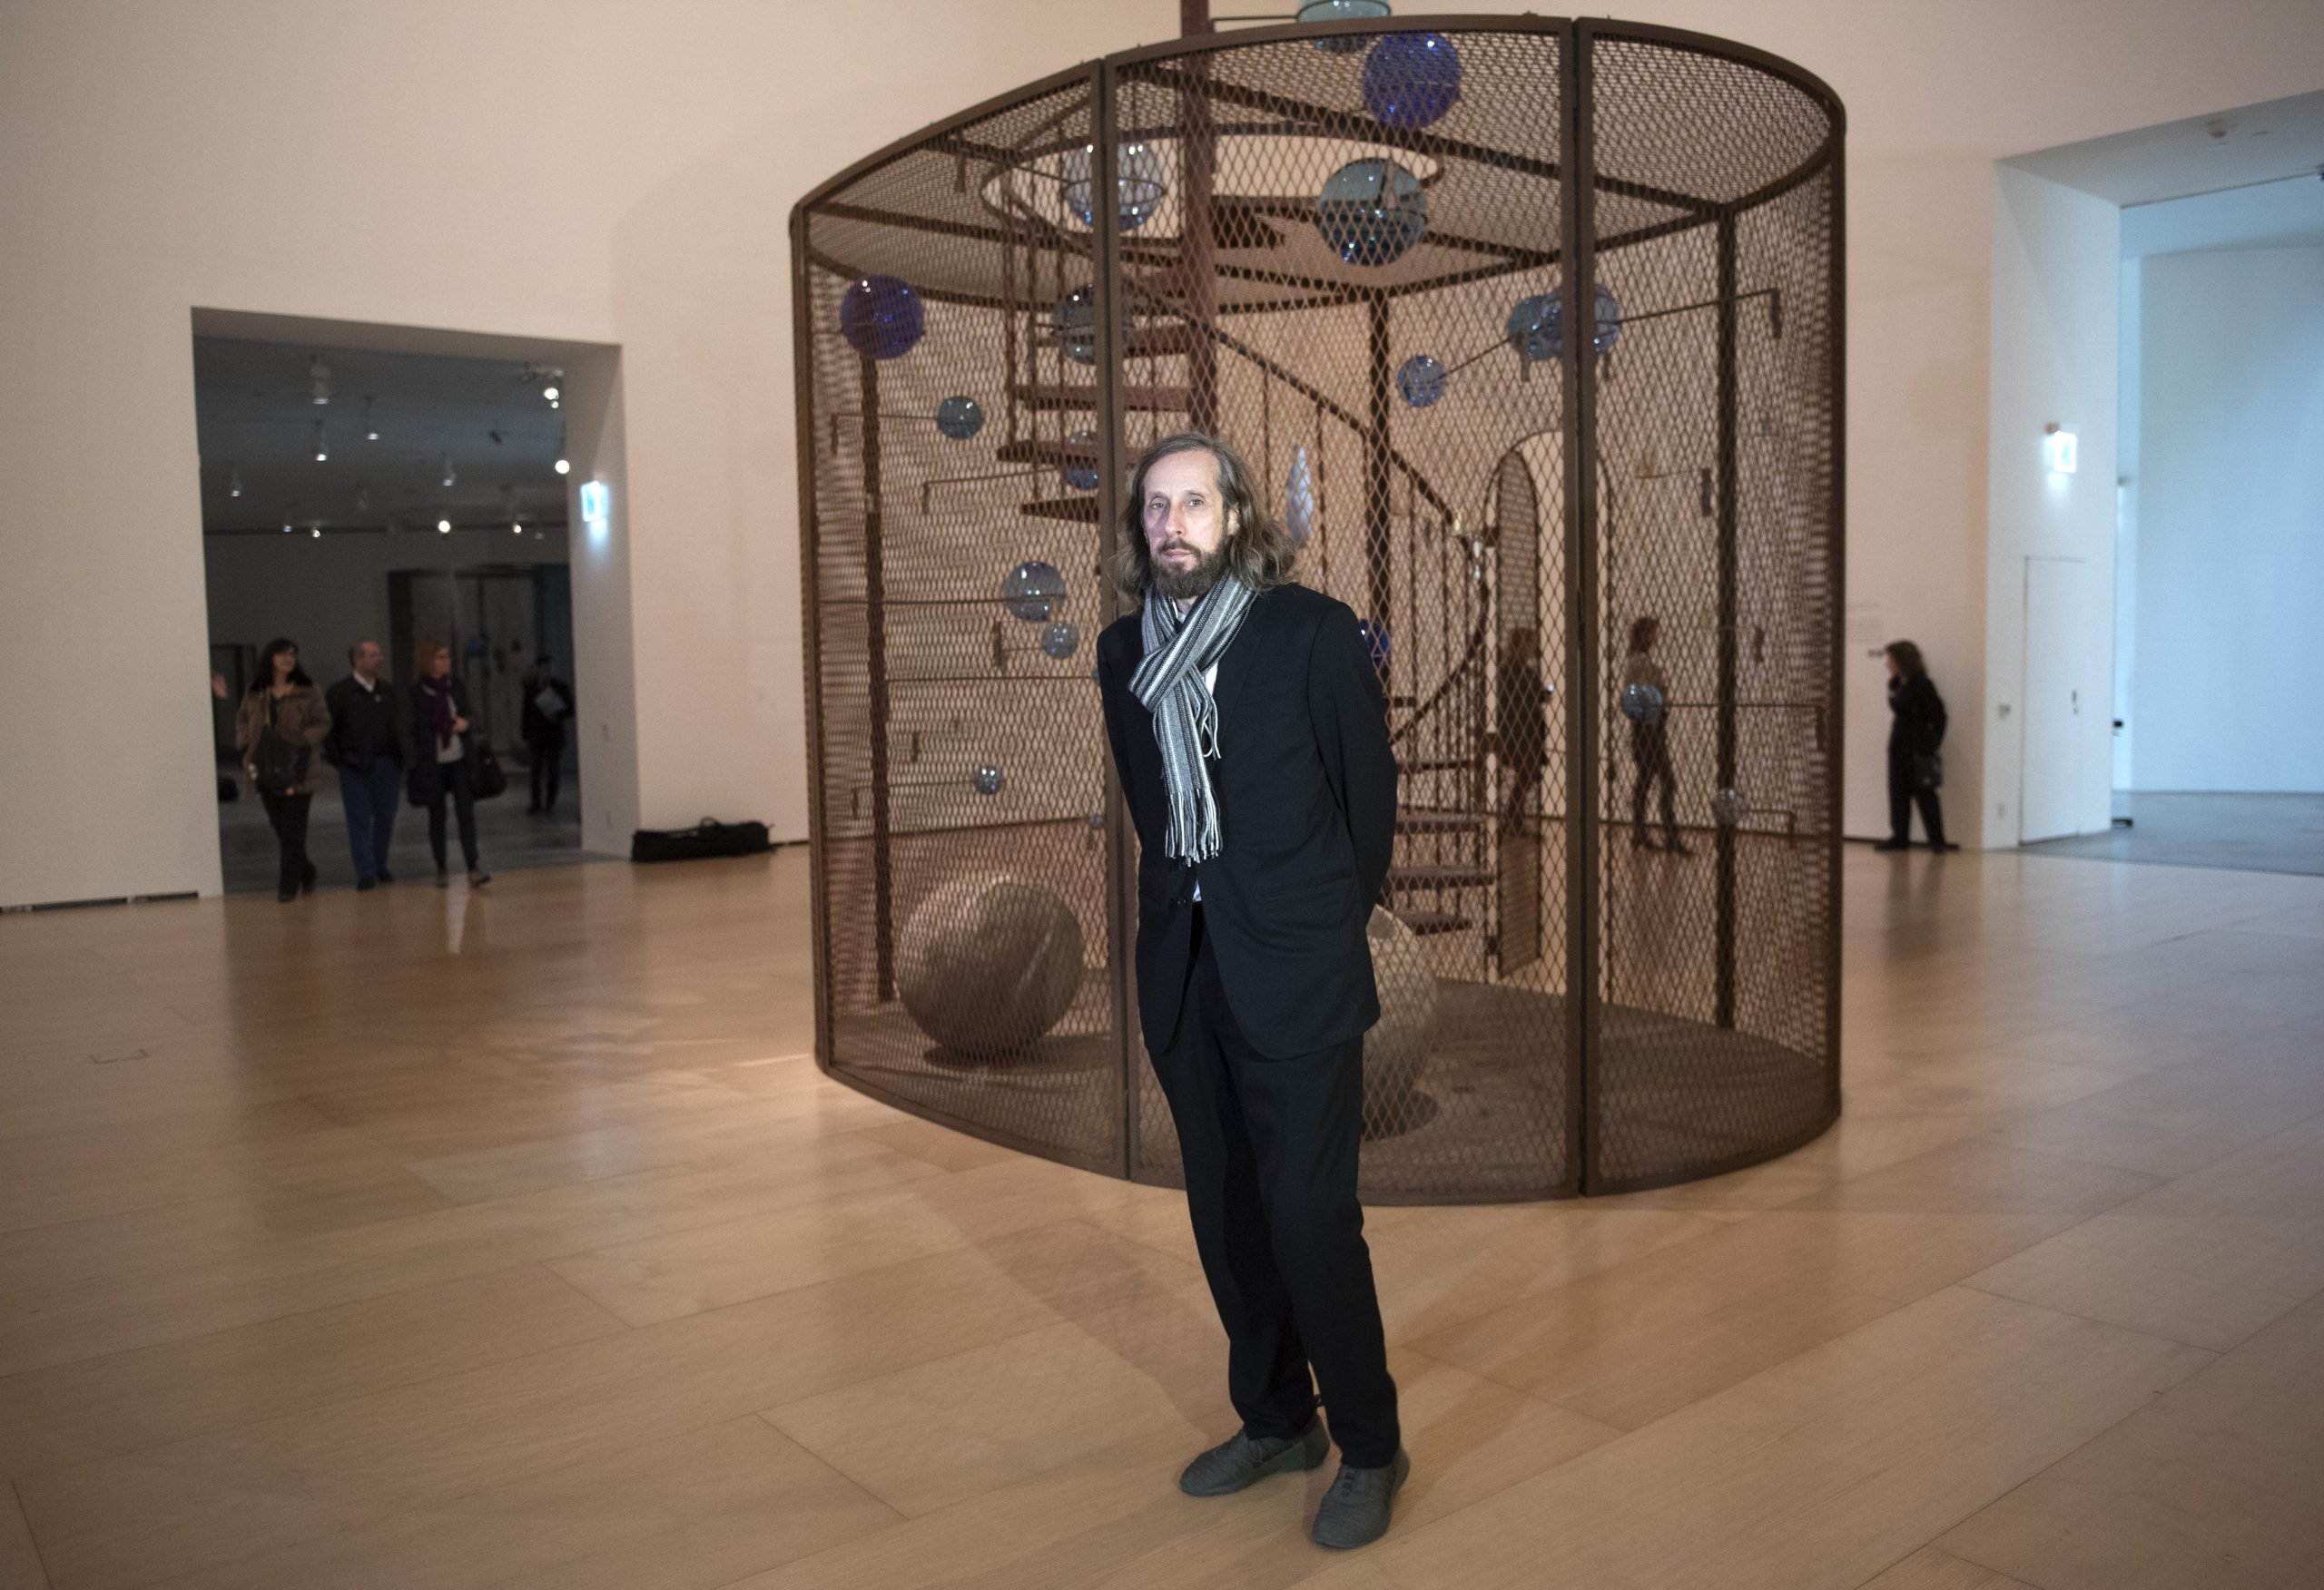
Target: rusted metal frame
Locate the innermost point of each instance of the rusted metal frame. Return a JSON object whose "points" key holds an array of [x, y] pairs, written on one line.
{"points": [[1578, 145], [1835, 389], [1379, 538], [802, 397], [1121, 871], [1729, 483], [875, 645]]}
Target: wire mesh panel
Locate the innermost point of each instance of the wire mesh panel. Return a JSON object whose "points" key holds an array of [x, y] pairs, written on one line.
{"points": [[1345, 250]]}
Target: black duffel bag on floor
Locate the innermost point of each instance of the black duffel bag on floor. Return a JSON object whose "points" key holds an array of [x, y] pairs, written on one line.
{"points": [[708, 837]]}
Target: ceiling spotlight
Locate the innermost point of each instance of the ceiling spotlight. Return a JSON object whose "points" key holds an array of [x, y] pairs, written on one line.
{"points": [[549, 393], [451, 475], [564, 466], [319, 377], [233, 480], [371, 421], [322, 448], [518, 529], [286, 527], [319, 532], [443, 527]]}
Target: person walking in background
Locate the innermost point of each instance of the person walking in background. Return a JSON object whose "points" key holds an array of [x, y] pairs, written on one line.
{"points": [[366, 745], [548, 705], [438, 758], [1650, 738], [280, 721], [1915, 733], [1523, 732]]}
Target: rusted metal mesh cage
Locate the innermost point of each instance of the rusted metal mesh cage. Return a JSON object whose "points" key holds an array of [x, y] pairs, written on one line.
{"points": [[1532, 330]]}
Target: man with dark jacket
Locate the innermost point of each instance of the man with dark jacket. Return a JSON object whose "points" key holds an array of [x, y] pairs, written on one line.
{"points": [[548, 707], [366, 745], [1249, 732]]}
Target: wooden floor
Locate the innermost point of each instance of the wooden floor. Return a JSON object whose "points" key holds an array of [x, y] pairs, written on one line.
{"points": [[415, 1239]]}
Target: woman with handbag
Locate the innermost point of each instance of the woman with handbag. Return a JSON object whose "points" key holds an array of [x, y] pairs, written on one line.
{"points": [[1916, 766], [280, 722], [441, 759]]}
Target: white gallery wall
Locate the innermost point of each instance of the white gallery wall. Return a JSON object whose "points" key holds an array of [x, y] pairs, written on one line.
{"points": [[2230, 521], [2049, 533], [607, 172]]}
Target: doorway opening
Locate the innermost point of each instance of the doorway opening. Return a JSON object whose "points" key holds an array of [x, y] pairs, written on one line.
{"points": [[2169, 582], [377, 493]]}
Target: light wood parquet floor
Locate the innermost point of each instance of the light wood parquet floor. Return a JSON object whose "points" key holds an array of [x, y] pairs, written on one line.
{"points": [[422, 1239]]}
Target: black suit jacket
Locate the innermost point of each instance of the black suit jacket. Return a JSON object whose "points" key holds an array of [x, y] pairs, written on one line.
{"points": [[1306, 788]]}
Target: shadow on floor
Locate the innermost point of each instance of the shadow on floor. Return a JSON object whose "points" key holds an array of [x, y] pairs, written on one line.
{"points": [[509, 839], [2236, 833]]}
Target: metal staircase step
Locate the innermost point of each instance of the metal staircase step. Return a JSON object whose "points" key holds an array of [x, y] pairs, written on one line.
{"points": [[1151, 342], [1071, 395], [1427, 922], [1433, 764], [1046, 450], [1440, 877], [1431, 820], [1073, 510]]}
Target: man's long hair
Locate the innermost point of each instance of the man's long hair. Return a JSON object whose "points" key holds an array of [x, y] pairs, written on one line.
{"points": [[1258, 552]]}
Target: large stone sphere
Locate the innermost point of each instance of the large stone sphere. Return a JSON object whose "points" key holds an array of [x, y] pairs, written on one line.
{"points": [[1398, 1046], [987, 964]]}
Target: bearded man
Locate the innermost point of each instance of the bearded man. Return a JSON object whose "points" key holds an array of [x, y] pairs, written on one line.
{"points": [[1250, 734]]}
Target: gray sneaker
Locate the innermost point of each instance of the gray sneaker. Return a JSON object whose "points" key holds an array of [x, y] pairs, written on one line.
{"points": [[1356, 1509], [1240, 1460]]}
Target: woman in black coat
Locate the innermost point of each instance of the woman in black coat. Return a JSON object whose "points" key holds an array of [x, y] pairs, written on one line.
{"points": [[440, 758], [1915, 733]]}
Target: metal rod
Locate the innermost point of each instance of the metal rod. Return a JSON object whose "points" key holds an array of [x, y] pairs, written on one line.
{"points": [[1580, 424], [1729, 397], [1379, 544], [875, 643], [802, 358], [1121, 866]]}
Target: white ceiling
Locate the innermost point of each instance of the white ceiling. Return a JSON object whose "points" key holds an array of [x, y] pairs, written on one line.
{"points": [[2203, 154], [255, 415]]}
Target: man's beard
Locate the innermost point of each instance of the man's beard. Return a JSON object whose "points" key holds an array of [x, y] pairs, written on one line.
{"points": [[1190, 585]]}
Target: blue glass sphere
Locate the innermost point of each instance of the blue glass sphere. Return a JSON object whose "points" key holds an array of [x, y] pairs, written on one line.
{"points": [[1642, 703], [1375, 641], [1075, 319], [1060, 639], [1421, 380], [1371, 211], [1342, 11], [881, 317], [1537, 325], [1412, 79], [987, 779], [1032, 590], [959, 417], [1138, 184], [1081, 470]]}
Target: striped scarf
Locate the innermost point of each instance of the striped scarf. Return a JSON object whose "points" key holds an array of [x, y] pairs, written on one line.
{"points": [[1169, 682]]}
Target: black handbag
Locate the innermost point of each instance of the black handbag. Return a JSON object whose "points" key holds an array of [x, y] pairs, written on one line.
{"points": [[484, 773], [709, 838], [278, 763], [1928, 771]]}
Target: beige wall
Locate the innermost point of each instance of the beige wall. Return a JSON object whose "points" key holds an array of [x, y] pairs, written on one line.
{"points": [[620, 174]]}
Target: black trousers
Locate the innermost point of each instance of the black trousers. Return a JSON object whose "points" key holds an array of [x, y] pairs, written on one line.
{"points": [[288, 816], [549, 773], [1270, 1153], [452, 781], [1903, 797], [1651, 750]]}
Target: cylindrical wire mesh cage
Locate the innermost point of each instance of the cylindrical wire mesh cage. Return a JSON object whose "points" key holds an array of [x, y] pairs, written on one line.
{"points": [[1532, 330]]}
